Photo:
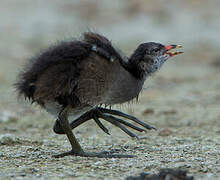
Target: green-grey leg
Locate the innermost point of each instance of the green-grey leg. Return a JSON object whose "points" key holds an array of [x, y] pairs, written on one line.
{"points": [[76, 148]]}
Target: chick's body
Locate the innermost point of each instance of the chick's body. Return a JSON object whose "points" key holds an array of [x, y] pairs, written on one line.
{"points": [[86, 84]]}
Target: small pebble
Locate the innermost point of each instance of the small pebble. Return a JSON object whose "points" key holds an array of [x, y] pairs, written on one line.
{"points": [[165, 132], [148, 111], [6, 116], [9, 139]]}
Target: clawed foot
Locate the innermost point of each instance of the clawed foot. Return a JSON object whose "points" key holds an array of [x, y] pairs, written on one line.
{"points": [[103, 154], [106, 114], [76, 148]]}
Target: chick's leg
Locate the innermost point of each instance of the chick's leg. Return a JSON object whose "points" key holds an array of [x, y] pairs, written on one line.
{"points": [[76, 148]]}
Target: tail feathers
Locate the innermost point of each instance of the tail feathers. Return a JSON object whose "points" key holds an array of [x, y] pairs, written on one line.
{"points": [[25, 86]]}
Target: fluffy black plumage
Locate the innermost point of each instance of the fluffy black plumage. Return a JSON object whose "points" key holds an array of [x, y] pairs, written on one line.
{"points": [[64, 52]]}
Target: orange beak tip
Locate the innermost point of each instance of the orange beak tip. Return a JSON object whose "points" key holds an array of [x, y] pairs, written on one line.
{"points": [[168, 47]]}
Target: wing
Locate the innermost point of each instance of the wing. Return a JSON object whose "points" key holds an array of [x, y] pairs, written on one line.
{"points": [[102, 46]]}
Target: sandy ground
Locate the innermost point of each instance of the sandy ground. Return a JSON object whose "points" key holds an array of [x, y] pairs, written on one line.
{"points": [[182, 100]]}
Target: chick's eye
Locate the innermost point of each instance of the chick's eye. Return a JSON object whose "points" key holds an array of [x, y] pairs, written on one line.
{"points": [[156, 50]]}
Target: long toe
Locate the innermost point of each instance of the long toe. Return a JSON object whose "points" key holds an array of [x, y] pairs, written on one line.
{"points": [[127, 116], [103, 154], [109, 155], [106, 154], [68, 153]]}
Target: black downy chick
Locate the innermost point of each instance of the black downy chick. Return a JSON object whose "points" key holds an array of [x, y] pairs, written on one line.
{"points": [[72, 79]]}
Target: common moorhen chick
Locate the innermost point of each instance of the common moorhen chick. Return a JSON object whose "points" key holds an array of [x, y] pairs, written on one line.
{"points": [[72, 79]]}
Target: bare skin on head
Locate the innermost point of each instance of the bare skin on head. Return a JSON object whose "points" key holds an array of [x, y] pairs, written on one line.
{"points": [[73, 79]]}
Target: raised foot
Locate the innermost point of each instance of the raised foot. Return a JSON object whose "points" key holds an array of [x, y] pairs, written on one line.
{"points": [[109, 116], [103, 154]]}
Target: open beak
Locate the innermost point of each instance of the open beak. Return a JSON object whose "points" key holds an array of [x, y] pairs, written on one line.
{"points": [[169, 47]]}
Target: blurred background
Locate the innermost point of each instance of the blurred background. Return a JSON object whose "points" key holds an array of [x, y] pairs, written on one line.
{"points": [[182, 100], [27, 27]]}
